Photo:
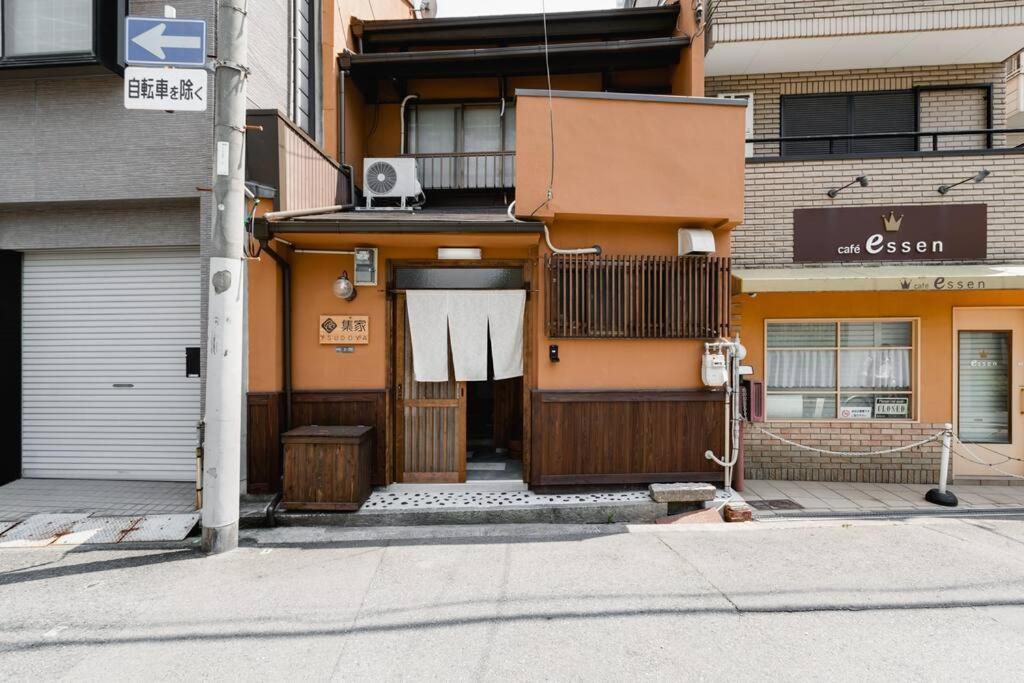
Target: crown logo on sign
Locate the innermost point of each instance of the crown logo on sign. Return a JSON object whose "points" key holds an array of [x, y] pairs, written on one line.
{"points": [[892, 224], [905, 284], [983, 354]]}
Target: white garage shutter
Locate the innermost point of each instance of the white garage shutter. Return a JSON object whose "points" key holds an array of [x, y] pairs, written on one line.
{"points": [[104, 390]]}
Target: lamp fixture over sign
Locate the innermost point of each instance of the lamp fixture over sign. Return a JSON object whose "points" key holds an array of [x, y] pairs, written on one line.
{"points": [[343, 287], [980, 177], [862, 179]]}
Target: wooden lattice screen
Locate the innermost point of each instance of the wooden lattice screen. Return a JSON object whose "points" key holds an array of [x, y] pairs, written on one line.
{"points": [[638, 297]]}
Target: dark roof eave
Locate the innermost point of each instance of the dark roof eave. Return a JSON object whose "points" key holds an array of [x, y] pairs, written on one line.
{"points": [[297, 225], [644, 21], [516, 60]]}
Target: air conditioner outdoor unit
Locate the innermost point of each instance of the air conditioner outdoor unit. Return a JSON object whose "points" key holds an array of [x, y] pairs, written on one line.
{"points": [[391, 177]]}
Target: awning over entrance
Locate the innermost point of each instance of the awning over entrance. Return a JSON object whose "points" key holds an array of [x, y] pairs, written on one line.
{"points": [[878, 279]]}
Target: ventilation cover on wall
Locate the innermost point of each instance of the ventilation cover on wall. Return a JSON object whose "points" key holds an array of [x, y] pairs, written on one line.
{"points": [[696, 242], [390, 177]]}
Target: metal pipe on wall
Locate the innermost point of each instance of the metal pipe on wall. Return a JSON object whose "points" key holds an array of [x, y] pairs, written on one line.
{"points": [[286, 325]]}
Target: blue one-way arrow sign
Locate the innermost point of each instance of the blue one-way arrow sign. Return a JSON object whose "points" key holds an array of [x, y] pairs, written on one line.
{"points": [[172, 42]]}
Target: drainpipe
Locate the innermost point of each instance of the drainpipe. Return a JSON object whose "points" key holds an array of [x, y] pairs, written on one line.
{"points": [[286, 345], [402, 115], [286, 358], [342, 126]]}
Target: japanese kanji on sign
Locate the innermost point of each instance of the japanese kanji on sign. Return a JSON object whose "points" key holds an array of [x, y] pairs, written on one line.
{"points": [[165, 89], [344, 329]]}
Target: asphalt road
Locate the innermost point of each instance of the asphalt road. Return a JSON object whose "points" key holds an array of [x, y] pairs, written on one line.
{"points": [[920, 600]]}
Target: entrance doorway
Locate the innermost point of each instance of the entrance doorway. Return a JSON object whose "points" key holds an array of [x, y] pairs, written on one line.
{"points": [[494, 428], [456, 431], [988, 387]]}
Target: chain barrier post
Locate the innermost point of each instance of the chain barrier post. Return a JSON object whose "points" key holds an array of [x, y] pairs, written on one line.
{"points": [[941, 496]]}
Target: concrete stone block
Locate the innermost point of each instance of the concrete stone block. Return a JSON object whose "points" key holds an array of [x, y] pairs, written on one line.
{"points": [[682, 493]]}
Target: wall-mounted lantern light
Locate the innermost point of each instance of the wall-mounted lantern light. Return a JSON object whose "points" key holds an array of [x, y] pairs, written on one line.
{"points": [[343, 287], [982, 174], [862, 179]]}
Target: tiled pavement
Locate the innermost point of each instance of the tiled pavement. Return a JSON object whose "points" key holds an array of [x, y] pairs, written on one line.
{"points": [[26, 497], [844, 497]]}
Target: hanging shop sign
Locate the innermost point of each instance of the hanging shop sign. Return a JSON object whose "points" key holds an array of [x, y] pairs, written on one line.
{"points": [[344, 329], [942, 232]]}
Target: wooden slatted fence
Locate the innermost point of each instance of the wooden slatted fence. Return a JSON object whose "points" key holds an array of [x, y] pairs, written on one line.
{"points": [[637, 297]]}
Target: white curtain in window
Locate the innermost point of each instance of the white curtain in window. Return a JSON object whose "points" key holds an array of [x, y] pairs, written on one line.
{"points": [[432, 131], [875, 369], [481, 132], [46, 26], [801, 369]]}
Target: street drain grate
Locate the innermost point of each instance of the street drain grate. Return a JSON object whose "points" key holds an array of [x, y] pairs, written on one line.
{"points": [[777, 504]]}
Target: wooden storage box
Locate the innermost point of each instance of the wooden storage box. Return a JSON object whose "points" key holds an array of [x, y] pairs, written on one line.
{"points": [[327, 468]]}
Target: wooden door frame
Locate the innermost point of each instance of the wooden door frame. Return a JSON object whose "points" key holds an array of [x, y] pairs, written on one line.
{"points": [[392, 419]]}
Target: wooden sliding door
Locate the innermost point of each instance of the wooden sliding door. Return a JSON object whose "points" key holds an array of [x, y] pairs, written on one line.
{"points": [[431, 424]]}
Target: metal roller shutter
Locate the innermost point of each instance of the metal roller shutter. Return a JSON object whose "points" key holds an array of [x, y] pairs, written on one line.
{"points": [[104, 390]]}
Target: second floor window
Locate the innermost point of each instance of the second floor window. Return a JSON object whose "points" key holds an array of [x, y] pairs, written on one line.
{"points": [[306, 65], [849, 114], [467, 146], [45, 27]]}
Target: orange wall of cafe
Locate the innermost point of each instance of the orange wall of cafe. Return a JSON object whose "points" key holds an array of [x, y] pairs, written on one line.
{"points": [[933, 310]]}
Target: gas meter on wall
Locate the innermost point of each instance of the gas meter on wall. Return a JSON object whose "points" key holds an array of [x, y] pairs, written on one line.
{"points": [[714, 370]]}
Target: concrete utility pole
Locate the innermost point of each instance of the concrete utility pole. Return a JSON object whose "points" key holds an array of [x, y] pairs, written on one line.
{"points": [[223, 448]]}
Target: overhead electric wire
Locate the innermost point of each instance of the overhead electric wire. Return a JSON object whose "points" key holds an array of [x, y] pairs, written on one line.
{"points": [[551, 109]]}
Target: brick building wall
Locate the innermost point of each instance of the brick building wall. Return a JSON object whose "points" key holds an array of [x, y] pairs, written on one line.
{"points": [[768, 458], [775, 189]]}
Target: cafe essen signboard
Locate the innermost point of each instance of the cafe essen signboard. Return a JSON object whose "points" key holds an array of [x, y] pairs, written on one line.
{"points": [[874, 234]]}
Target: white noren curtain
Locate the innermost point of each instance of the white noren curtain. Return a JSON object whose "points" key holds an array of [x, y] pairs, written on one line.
{"points": [[469, 317]]}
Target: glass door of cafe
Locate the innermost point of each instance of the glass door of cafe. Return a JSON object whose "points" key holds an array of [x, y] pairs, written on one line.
{"points": [[989, 391]]}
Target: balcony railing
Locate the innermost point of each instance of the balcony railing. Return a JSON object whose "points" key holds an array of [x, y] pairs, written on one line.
{"points": [[874, 144], [466, 170]]}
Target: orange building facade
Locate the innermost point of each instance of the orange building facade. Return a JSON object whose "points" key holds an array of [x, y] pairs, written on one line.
{"points": [[585, 367]]}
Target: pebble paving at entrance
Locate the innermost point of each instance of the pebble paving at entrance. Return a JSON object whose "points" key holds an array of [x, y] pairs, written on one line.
{"points": [[385, 500]]}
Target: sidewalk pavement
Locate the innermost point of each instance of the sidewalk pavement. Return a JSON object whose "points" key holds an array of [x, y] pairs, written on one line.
{"points": [[771, 498], [24, 498]]}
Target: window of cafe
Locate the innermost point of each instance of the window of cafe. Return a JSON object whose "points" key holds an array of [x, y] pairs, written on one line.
{"points": [[843, 369]]}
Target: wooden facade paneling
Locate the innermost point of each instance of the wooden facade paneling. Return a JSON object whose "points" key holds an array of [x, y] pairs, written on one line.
{"points": [[347, 408], [264, 420], [625, 437], [637, 297]]}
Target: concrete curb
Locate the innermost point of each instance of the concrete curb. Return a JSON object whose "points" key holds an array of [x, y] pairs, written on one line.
{"points": [[609, 513]]}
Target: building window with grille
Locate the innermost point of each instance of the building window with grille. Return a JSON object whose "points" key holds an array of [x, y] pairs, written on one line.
{"points": [[843, 369], [463, 146], [860, 113], [306, 67]]}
